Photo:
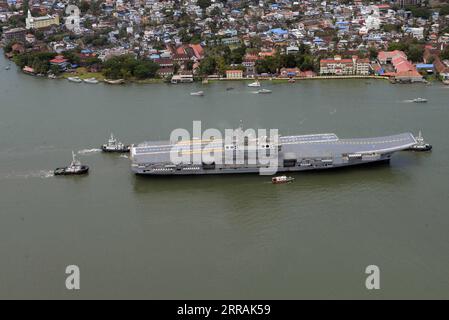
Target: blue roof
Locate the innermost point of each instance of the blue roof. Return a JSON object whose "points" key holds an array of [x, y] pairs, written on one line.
{"points": [[279, 31], [424, 66]]}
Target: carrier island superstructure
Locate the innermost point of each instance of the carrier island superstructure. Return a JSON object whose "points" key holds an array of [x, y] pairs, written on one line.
{"points": [[294, 153]]}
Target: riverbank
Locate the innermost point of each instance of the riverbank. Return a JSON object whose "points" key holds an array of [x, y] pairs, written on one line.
{"points": [[286, 79]]}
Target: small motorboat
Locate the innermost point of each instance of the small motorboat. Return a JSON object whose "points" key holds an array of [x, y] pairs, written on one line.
{"points": [[264, 91], [420, 145], [51, 76], [254, 84], [198, 93], [113, 145], [7, 67], [118, 81], [419, 100], [75, 79], [281, 179], [75, 168], [91, 80]]}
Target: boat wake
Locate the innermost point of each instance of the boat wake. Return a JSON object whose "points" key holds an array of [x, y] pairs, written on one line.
{"points": [[87, 151], [407, 101], [42, 174], [124, 156]]}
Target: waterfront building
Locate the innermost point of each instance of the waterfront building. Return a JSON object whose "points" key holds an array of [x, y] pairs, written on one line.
{"points": [[234, 74], [404, 70], [362, 66], [16, 34], [60, 62], [342, 67], [165, 72], [41, 22], [289, 72], [336, 66]]}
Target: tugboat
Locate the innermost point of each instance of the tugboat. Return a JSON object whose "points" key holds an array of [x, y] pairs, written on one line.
{"points": [[421, 145], [75, 168], [282, 179], [114, 145]]}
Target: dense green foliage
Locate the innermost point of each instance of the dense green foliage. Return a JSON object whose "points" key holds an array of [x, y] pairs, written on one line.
{"points": [[303, 60], [127, 67], [203, 4], [412, 48], [444, 10], [39, 61], [419, 12]]}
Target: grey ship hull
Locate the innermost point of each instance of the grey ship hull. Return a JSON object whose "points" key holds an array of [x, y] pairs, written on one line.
{"points": [[298, 153]]}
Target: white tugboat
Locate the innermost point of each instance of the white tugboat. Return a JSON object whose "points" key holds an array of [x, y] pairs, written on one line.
{"points": [[75, 168], [114, 145], [420, 145]]}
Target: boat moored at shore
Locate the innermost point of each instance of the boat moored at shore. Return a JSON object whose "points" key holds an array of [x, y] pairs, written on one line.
{"points": [[118, 81], [75, 79], [91, 80]]}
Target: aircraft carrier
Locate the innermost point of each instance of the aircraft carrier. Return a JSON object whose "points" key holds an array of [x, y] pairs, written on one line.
{"points": [[293, 153]]}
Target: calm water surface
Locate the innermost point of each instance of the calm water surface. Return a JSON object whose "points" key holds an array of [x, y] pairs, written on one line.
{"points": [[223, 236]]}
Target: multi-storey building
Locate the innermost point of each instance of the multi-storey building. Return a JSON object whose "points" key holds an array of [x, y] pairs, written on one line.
{"points": [[41, 22], [342, 67]]}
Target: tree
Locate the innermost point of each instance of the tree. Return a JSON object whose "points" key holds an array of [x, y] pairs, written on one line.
{"points": [[415, 52], [84, 6], [203, 4], [373, 53], [126, 66], [145, 69], [444, 10], [208, 65]]}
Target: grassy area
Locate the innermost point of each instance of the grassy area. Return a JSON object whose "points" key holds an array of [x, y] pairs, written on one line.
{"points": [[83, 74], [147, 81]]}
